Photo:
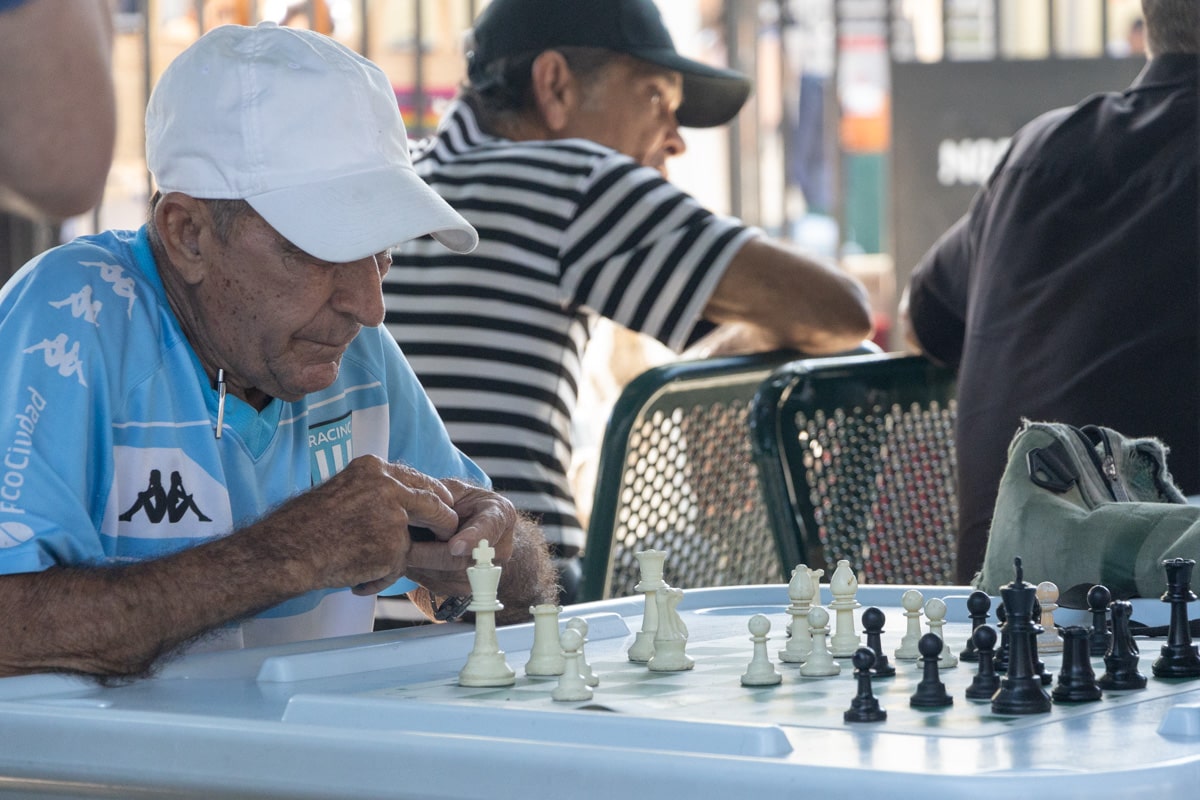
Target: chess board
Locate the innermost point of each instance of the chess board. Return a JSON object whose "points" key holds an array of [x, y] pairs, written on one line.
{"points": [[382, 716], [711, 691]]}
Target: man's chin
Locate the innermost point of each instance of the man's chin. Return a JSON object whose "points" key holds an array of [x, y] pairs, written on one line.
{"points": [[313, 379]]}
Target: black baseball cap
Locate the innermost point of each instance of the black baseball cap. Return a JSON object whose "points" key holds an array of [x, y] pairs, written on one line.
{"points": [[507, 28]]}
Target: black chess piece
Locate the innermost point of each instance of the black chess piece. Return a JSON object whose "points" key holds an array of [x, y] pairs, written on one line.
{"points": [[1098, 598], [1121, 660], [1021, 689], [872, 622], [1002, 653], [1076, 679], [1178, 657], [1035, 629], [865, 706], [931, 692], [978, 605], [986, 681]]}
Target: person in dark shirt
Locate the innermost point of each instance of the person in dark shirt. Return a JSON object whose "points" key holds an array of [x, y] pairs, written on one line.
{"points": [[1068, 292]]}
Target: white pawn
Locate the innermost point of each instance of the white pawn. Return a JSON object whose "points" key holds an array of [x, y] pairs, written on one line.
{"points": [[1049, 640], [801, 590], [585, 669], [911, 601], [935, 613], [843, 586], [820, 663], [571, 684], [760, 671], [545, 657]]}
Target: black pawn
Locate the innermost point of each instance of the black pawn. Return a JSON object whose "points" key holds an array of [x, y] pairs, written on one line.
{"points": [[1002, 653], [1076, 679], [865, 706], [986, 681], [931, 692], [1098, 598], [1121, 660], [1178, 658], [872, 622], [978, 606]]}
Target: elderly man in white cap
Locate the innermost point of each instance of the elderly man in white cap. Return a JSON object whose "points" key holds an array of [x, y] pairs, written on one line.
{"points": [[206, 431]]}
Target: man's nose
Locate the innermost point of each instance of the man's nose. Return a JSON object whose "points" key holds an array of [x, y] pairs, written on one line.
{"points": [[359, 291]]}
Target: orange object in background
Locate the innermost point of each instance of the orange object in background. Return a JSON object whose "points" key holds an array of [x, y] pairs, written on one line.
{"points": [[867, 134]]}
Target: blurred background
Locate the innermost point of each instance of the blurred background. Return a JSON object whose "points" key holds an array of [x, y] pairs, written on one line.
{"points": [[871, 125]]}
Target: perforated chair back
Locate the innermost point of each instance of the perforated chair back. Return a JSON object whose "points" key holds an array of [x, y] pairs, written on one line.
{"points": [[857, 461], [677, 474]]}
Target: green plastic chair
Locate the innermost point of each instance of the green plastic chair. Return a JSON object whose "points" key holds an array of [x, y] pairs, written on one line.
{"points": [[856, 459], [676, 473]]}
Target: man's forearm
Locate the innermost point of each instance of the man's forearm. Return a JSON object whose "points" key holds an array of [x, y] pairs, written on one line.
{"points": [[120, 621]]}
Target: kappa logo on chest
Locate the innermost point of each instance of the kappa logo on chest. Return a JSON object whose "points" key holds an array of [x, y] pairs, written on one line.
{"points": [[158, 503]]}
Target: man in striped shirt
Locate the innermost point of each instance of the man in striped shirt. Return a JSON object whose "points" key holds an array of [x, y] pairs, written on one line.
{"points": [[555, 151]]}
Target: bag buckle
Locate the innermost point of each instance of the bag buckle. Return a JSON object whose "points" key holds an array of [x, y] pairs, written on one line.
{"points": [[1050, 469]]}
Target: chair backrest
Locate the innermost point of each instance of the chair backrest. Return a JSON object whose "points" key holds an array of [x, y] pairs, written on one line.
{"points": [[676, 473], [856, 459]]}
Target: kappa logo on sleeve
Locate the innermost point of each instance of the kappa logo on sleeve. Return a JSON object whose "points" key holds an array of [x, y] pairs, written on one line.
{"points": [[57, 355], [114, 275], [158, 503], [82, 305], [330, 447]]}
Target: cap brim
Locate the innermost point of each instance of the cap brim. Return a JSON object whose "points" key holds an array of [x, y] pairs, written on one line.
{"points": [[354, 216], [711, 96]]}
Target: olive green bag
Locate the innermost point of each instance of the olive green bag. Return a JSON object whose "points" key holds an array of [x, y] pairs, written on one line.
{"points": [[1086, 506]]}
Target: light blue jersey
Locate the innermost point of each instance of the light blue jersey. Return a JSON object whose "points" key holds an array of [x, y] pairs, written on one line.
{"points": [[107, 433]]}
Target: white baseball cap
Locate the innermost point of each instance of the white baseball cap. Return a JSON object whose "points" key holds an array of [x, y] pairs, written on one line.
{"points": [[306, 131]]}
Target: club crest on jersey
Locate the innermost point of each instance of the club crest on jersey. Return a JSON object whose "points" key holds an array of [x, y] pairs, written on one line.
{"points": [[330, 447]]}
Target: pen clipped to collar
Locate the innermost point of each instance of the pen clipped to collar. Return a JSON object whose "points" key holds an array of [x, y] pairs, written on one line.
{"points": [[220, 402]]}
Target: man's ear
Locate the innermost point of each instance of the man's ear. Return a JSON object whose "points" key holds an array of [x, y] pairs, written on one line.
{"points": [[185, 230], [555, 90]]}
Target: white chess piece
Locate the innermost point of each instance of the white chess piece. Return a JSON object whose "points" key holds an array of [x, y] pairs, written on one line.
{"points": [[843, 586], [911, 600], [820, 663], [671, 638], [1049, 640], [650, 564], [801, 590], [545, 657], [585, 669], [935, 613], [485, 665], [571, 684], [760, 671]]}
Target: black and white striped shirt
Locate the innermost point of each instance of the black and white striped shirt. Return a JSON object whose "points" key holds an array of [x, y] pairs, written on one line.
{"points": [[568, 229]]}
